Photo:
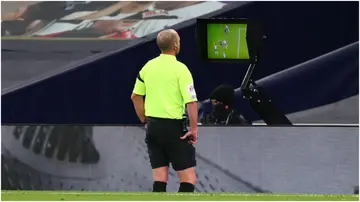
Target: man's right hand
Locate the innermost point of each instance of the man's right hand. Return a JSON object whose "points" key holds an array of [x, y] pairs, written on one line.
{"points": [[192, 135]]}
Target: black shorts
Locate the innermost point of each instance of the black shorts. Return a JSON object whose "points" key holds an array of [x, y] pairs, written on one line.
{"points": [[165, 146]]}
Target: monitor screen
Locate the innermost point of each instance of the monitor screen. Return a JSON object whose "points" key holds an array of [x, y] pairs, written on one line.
{"points": [[227, 41]]}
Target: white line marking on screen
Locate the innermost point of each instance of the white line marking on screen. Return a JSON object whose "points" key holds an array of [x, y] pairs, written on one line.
{"points": [[238, 48]]}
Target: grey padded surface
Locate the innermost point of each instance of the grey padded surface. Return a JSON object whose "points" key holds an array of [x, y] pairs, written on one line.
{"points": [[230, 159]]}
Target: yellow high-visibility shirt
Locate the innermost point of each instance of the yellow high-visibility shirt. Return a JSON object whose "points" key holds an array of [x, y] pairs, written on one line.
{"points": [[168, 86]]}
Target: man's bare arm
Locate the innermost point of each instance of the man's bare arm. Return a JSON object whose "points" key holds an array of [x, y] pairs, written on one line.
{"points": [[138, 102], [193, 115]]}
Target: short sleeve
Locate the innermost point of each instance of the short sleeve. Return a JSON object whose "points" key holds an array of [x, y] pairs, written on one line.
{"points": [[139, 88], [186, 84]]}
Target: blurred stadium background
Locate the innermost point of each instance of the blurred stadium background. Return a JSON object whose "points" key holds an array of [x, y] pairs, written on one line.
{"points": [[75, 62]]}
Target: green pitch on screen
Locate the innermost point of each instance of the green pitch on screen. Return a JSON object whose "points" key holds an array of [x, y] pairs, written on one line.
{"points": [[235, 46]]}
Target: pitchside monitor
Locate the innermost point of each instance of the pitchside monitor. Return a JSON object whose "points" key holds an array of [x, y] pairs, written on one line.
{"points": [[228, 39]]}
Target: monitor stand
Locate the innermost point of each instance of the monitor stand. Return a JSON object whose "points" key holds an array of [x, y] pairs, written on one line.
{"points": [[259, 100]]}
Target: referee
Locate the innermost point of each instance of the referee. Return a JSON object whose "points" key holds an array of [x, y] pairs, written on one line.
{"points": [[168, 87]]}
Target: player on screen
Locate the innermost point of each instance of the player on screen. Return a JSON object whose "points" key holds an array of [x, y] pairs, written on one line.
{"points": [[220, 43], [225, 44], [216, 49], [227, 30], [224, 54]]}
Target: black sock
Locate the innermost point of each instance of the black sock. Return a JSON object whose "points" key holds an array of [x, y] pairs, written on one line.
{"points": [[186, 187], [159, 186]]}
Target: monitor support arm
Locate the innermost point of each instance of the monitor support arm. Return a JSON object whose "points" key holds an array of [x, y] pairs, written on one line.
{"points": [[259, 101]]}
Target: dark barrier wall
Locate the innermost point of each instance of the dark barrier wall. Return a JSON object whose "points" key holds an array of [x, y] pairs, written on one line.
{"points": [[229, 159], [99, 92], [323, 80]]}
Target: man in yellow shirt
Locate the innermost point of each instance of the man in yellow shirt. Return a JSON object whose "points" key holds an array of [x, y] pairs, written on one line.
{"points": [[168, 87]]}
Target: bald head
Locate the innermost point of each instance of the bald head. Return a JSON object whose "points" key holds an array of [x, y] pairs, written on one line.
{"points": [[167, 39]]}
